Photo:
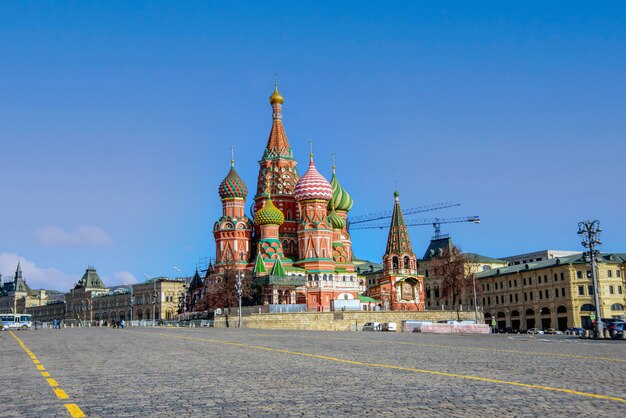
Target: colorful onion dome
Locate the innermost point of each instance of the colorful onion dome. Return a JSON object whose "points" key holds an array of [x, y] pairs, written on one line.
{"points": [[342, 201], [233, 185], [335, 220], [269, 214], [276, 97], [313, 185]]}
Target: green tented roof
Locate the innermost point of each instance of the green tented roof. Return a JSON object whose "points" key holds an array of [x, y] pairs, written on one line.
{"points": [[367, 299]]}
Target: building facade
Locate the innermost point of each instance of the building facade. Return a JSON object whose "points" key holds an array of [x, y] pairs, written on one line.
{"points": [[17, 297], [90, 301], [553, 293]]}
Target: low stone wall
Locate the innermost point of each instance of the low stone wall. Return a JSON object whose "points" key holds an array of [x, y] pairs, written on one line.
{"points": [[335, 321]]}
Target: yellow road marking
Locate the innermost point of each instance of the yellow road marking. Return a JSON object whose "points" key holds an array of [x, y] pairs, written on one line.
{"points": [[74, 410], [60, 393], [459, 347], [407, 369]]}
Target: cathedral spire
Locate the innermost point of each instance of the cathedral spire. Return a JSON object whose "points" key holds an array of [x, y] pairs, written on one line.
{"points": [[398, 241], [277, 144]]}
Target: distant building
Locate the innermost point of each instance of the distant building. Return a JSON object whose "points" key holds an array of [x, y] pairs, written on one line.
{"points": [[538, 256], [16, 296], [553, 293], [438, 247], [91, 301]]}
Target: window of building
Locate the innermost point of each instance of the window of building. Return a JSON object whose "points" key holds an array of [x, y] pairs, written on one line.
{"points": [[538, 279], [545, 278], [510, 298], [546, 294], [609, 273], [487, 287], [483, 287], [581, 290], [516, 297], [579, 274], [531, 295], [611, 289], [618, 273], [483, 301], [562, 292], [590, 290], [524, 281], [515, 282], [589, 274], [426, 273], [488, 300], [525, 297], [619, 290], [562, 276], [540, 295], [556, 277], [530, 280]]}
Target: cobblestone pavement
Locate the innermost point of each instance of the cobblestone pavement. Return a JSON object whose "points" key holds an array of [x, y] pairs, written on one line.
{"points": [[230, 372]]}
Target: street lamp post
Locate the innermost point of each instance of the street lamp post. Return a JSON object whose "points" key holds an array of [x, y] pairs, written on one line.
{"points": [[475, 299], [590, 232], [132, 303], [154, 301], [239, 288]]}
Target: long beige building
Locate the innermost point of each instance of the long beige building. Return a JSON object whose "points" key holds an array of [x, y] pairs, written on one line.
{"points": [[90, 301], [554, 293]]}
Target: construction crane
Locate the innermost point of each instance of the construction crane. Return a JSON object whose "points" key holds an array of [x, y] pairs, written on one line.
{"points": [[435, 222], [389, 213]]}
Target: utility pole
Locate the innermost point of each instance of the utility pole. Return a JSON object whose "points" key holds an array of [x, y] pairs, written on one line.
{"points": [[590, 232]]}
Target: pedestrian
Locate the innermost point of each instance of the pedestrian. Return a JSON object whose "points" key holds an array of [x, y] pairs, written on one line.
{"points": [[54, 324], [122, 323]]}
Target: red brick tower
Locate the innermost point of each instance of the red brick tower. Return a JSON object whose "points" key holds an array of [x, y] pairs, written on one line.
{"points": [[233, 230], [315, 234], [278, 175], [400, 288]]}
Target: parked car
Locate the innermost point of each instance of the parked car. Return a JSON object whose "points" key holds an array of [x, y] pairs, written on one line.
{"points": [[535, 331], [373, 326], [390, 326], [575, 331]]}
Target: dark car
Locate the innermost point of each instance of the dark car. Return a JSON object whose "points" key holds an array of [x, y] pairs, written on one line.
{"points": [[575, 331], [616, 327]]}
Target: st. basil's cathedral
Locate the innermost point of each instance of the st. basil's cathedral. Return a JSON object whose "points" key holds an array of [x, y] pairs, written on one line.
{"points": [[297, 247]]}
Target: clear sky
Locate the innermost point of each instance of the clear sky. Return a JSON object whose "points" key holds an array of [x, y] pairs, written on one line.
{"points": [[117, 118]]}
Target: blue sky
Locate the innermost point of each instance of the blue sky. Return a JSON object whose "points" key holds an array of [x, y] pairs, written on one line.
{"points": [[116, 121]]}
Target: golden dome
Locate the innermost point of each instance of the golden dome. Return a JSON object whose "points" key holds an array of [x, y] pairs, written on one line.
{"points": [[276, 97]]}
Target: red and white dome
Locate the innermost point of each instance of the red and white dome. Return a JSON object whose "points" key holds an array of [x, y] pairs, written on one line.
{"points": [[313, 186]]}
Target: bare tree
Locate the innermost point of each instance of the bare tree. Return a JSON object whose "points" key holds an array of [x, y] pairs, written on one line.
{"points": [[450, 268], [220, 287]]}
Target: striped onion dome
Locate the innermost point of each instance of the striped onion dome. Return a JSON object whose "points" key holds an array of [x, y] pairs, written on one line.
{"points": [[335, 220], [312, 185], [233, 185], [269, 214], [341, 200]]}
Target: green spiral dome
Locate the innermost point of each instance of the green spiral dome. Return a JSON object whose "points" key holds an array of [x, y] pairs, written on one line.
{"points": [[269, 214], [341, 198], [335, 220]]}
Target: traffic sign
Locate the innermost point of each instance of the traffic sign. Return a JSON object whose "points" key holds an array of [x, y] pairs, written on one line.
{"points": [[592, 316]]}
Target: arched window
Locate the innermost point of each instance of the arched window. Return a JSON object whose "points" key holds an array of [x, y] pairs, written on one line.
{"points": [[617, 307], [330, 277], [406, 262], [561, 309], [530, 312], [325, 277], [394, 263], [587, 307], [515, 313]]}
